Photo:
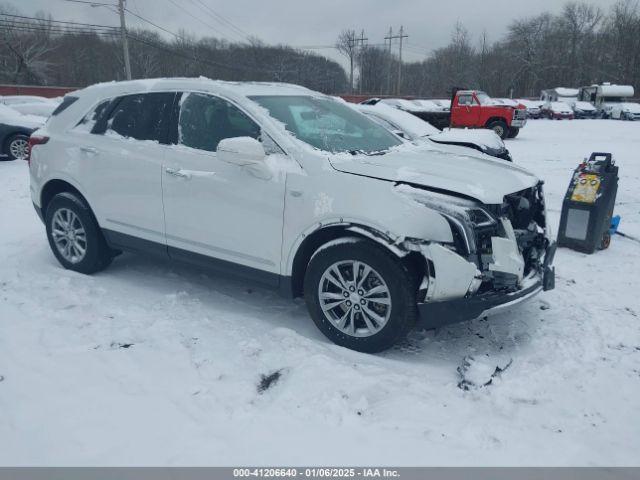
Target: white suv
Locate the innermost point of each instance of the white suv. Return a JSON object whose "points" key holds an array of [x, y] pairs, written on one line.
{"points": [[295, 190]]}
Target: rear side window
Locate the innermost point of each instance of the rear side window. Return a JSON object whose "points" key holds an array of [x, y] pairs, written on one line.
{"points": [[204, 120], [66, 103], [92, 120], [141, 117]]}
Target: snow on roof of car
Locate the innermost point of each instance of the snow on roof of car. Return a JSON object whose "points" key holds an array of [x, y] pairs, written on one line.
{"points": [[9, 116], [530, 103], [407, 122], [560, 107], [199, 83], [583, 106], [16, 99], [567, 92]]}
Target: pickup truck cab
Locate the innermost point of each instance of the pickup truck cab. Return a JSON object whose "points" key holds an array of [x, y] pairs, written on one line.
{"points": [[475, 109]]}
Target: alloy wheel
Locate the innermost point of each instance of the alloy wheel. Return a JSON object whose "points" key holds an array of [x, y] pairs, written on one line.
{"points": [[18, 148], [354, 298], [69, 235]]}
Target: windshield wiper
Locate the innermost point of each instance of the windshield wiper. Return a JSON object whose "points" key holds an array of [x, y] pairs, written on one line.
{"points": [[368, 154]]}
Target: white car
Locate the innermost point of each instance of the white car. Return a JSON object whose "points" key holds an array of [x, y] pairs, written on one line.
{"points": [[626, 111], [19, 99], [297, 191], [534, 107], [41, 109], [15, 129], [584, 109], [414, 129]]}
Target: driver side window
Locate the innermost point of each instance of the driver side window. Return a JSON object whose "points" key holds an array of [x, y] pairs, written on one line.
{"points": [[205, 120], [465, 100]]}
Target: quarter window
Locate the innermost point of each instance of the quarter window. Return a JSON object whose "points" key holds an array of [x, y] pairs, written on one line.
{"points": [[91, 119], [142, 116], [204, 120]]}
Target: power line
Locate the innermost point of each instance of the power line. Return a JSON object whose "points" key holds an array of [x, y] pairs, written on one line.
{"points": [[35, 29], [212, 63], [123, 28], [91, 3], [43, 20], [153, 24], [184, 10], [222, 20]]}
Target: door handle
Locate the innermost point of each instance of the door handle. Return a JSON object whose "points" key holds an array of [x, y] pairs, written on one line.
{"points": [[189, 173], [177, 173], [90, 150]]}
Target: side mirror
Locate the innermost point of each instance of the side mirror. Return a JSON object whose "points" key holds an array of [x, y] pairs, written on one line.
{"points": [[401, 134], [241, 151]]}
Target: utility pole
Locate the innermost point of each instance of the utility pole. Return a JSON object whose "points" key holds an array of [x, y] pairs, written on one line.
{"points": [[352, 46], [125, 43], [390, 38], [401, 36], [362, 41]]}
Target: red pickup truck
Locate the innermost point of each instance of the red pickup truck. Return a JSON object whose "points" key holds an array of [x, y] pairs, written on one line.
{"points": [[475, 109]]}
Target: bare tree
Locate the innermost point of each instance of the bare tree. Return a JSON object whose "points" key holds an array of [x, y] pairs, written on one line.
{"points": [[26, 45], [347, 46]]}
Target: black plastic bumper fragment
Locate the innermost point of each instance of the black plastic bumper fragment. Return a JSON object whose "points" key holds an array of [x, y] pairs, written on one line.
{"points": [[438, 314]]}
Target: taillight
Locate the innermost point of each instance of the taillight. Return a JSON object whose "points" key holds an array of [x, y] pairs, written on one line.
{"points": [[33, 141]]}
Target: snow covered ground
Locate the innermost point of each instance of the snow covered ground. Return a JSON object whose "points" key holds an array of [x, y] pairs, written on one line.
{"points": [[153, 363]]}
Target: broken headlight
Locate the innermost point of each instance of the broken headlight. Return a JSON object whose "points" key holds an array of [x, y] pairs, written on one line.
{"points": [[464, 216]]}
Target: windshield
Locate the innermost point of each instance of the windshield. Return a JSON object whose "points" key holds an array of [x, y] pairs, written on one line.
{"points": [[483, 98], [327, 124]]}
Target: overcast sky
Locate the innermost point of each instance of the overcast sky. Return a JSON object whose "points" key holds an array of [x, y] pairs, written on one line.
{"points": [[313, 22]]}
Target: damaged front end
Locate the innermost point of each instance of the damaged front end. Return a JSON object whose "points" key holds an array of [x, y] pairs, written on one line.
{"points": [[501, 255]]}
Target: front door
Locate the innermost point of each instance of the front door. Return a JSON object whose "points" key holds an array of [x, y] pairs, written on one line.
{"points": [[216, 210], [466, 113]]}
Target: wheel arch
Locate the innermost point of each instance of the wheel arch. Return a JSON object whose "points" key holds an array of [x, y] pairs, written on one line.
{"points": [[54, 187], [496, 119], [319, 237]]}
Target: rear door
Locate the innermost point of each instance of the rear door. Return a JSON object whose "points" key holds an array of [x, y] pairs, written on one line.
{"points": [[217, 210], [123, 162]]}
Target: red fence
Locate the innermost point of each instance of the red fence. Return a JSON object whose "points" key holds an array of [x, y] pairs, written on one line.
{"points": [[49, 92], [357, 98]]}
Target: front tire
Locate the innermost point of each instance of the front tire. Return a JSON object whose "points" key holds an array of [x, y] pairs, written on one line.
{"points": [[75, 236], [360, 296], [513, 132], [16, 146], [500, 128]]}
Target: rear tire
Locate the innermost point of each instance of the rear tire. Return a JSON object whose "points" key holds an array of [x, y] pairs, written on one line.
{"points": [[75, 236], [15, 146], [500, 128], [370, 314], [513, 132]]}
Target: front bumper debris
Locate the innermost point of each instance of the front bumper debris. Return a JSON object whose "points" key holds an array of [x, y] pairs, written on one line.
{"points": [[436, 314]]}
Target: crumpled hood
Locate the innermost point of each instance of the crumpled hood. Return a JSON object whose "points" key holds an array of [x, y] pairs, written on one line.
{"points": [[477, 176]]}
